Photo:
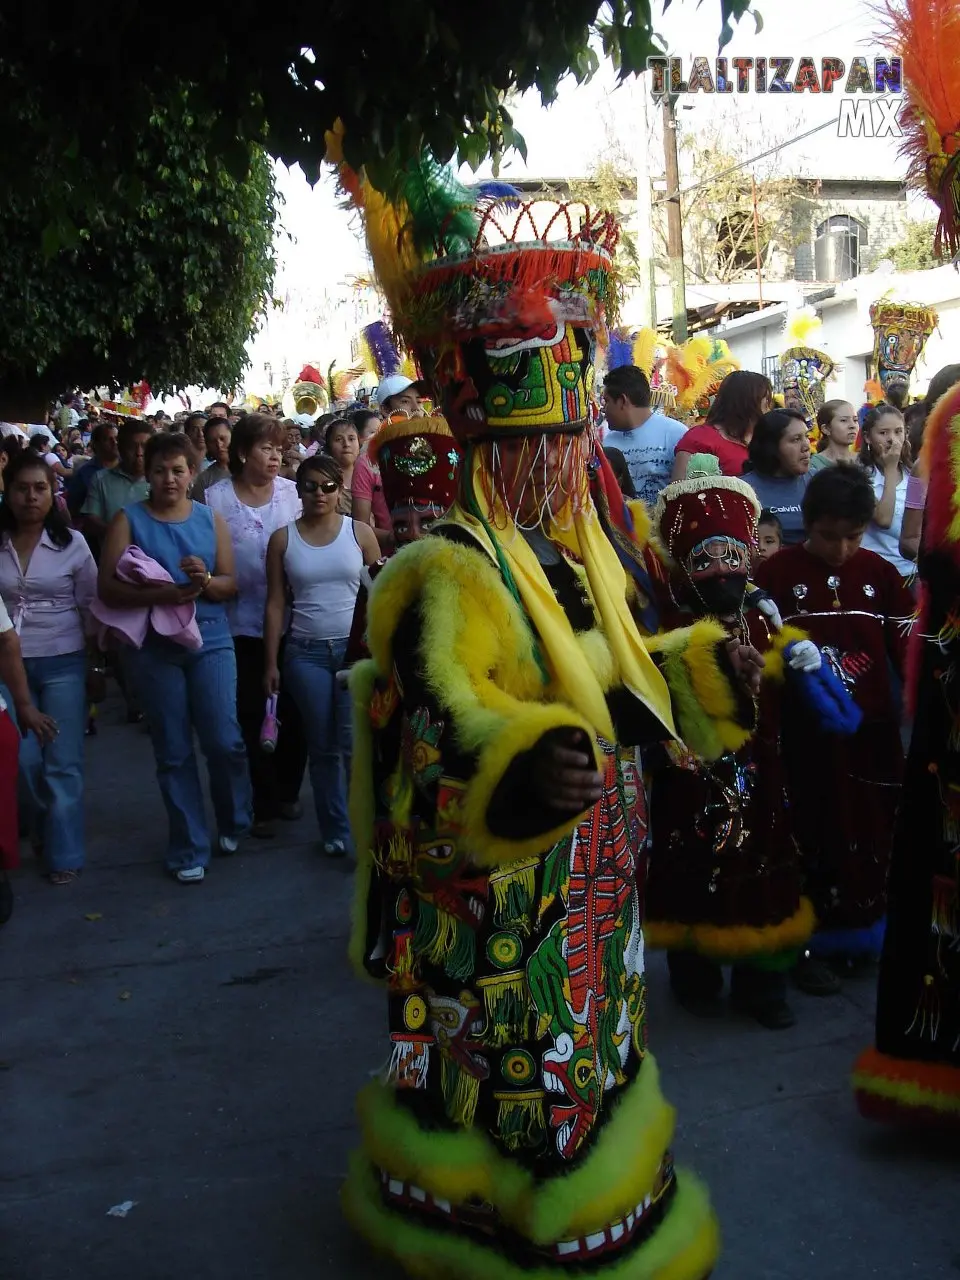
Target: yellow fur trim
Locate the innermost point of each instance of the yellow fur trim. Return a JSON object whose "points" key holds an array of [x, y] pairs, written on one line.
{"points": [[599, 657], [619, 1172], [476, 657], [732, 942], [642, 524], [684, 1246], [774, 668], [702, 690], [518, 735], [361, 809]]}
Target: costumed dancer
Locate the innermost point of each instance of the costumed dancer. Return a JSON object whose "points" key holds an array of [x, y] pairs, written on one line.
{"points": [[419, 464], [914, 1071], [804, 369], [854, 606], [519, 1129], [723, 885]]}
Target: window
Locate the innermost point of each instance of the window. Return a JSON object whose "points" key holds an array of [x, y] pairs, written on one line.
{"points": [[843, 222], [770, 368]]}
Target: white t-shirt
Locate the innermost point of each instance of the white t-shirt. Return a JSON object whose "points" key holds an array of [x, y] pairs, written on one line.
{"points": [[886, 542], [649, 453]]}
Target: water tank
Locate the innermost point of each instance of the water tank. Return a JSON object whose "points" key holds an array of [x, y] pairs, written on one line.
{"points": [[836, 254]]}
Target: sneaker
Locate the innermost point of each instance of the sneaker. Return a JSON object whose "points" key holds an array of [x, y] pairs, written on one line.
{"points": [[191, 875], [228, 844], [291, 812], [335, 849]]}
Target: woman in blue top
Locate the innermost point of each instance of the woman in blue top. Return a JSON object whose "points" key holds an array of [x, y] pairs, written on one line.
{"points": [[779, 467], [183, 691]]}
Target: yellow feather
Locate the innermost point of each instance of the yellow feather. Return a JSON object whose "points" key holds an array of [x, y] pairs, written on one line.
{"points": [[802, 325], [644, 349]]}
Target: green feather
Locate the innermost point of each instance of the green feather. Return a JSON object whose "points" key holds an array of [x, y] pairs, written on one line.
{"points": [[442, 216]]}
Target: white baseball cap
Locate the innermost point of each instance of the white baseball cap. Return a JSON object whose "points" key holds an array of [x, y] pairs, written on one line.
{"points": [[392, 385]]}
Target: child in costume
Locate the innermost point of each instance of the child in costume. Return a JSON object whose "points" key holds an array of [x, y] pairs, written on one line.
{"points": [[724, 879], [519, 1129], [855, 607], [914, 1071], [419, 465]]}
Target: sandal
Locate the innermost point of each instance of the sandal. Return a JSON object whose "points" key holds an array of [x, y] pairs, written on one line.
{"points": [[64, 877]]}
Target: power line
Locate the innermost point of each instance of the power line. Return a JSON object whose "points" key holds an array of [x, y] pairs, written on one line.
{"points": [[698, 186]]}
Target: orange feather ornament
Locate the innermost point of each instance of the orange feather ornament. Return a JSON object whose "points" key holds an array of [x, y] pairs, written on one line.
{"points": [[926, 35]]}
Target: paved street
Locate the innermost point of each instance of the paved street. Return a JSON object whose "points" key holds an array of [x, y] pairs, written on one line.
{"points": [[195, 1050]]}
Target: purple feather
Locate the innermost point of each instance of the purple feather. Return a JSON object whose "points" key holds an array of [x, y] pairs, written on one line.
{"points": [[386, 357], [620, 351]]}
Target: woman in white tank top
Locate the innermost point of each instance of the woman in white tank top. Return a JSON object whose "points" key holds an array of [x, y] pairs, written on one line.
{"points": [[313, 566]]}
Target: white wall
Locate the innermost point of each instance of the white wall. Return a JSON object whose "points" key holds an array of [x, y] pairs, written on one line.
{"points": [[846, 334]]}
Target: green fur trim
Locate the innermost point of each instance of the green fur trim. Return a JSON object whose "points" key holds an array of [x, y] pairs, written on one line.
{"points": [[362, 679], [620, 1170], [684, 1246], [696, 727]]}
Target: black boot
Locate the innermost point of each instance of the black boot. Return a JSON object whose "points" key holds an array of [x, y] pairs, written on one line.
{"points": [[762, 994], [696, 982]]}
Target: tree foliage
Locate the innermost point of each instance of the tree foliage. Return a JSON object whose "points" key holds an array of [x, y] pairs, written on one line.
{"points": [[397, 74], [159, 272], [719, 235], [915, 251]]}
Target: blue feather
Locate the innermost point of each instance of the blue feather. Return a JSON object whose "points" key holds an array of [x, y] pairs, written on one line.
{"points": [[826, 697], [867, 941], [620, 351], [490, 193]]}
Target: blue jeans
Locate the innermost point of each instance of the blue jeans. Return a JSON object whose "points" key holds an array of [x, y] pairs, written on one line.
{"points": [[183, 691], [51, 777], [309, 675]]}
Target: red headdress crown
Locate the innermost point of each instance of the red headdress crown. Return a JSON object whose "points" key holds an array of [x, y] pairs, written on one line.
{"points": [[706, 506], [419, 462]]}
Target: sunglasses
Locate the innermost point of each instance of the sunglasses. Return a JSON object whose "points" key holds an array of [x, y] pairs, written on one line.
{"points": [[323, 486]]}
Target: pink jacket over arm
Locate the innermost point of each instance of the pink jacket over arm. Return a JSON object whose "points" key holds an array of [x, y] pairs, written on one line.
{"points": [[177, 622]]}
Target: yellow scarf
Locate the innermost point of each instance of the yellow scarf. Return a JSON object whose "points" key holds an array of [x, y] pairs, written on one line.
{"points": [[576, 683]]}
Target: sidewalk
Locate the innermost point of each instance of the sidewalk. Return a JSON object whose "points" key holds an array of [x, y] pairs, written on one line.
{"points": [[195, 1050]]}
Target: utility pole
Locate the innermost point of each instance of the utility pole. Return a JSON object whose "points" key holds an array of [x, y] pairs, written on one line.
{"points": [[674, 222], [644, 238], [756, 240]]}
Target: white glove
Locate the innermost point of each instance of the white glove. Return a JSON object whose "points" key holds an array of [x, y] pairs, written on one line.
{"points": [[768, 607], [804, 656], [343, 677]]}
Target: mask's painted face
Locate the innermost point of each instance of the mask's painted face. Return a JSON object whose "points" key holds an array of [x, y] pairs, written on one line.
{"points": [[717, 569], [525, 384]]}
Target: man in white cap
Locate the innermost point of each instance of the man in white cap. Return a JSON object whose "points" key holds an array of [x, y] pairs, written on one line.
{"points": [[399, 394]]}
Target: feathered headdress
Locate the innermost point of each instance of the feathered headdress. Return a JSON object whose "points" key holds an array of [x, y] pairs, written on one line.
{"points": [[940, 463], [804, 369], [926, 35], [900, 331], [697, 368]]}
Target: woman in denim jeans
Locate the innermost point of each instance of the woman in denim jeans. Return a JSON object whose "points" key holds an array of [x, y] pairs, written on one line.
{"points": [[316, 562], [48, 581], [185, 691]]}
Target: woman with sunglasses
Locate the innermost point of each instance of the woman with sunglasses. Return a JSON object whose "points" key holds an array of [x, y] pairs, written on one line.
{"points": [[315, 564]]}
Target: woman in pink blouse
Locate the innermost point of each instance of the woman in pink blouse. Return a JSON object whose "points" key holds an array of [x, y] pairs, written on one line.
{"points": [[47, 582]]}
